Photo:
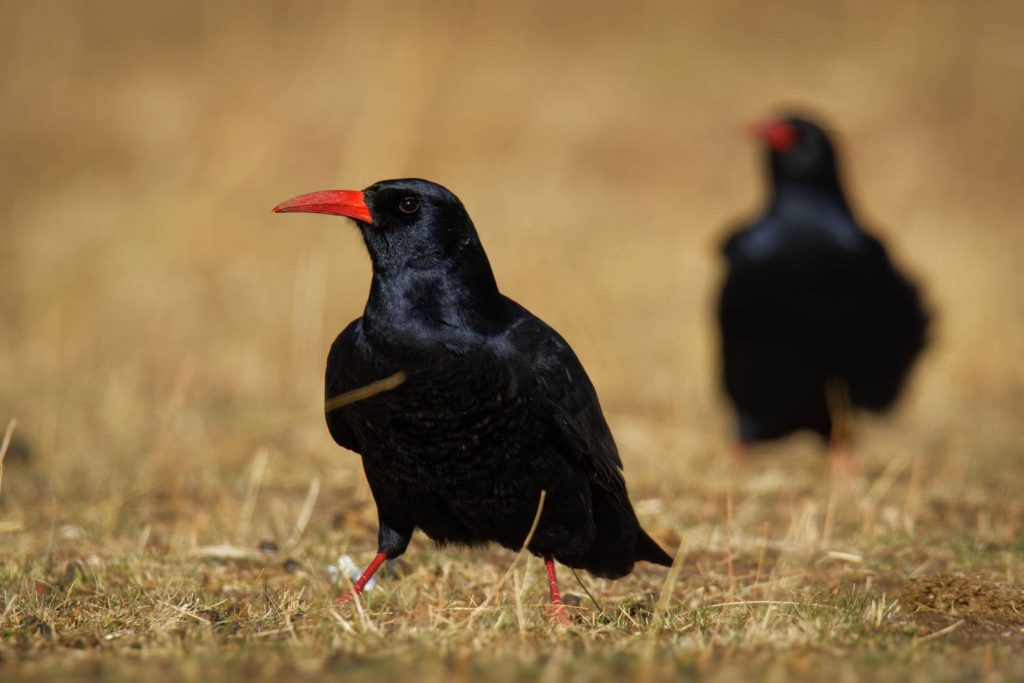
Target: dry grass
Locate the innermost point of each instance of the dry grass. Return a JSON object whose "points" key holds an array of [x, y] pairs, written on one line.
{"points": [[162, 335]]}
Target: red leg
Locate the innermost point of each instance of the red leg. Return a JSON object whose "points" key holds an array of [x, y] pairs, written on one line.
{"points": [[556, 610], [358, 586], [845, 463]]}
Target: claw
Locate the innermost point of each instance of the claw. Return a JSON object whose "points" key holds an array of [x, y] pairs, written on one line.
{"points": [[559, 614]]}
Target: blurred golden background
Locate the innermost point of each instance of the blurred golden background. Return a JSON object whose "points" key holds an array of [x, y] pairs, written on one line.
{"points": [[158, 324], [163, 335]]}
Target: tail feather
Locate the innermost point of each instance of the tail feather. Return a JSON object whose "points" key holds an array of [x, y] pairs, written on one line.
{"points": [[648, 549], [619, 541]]}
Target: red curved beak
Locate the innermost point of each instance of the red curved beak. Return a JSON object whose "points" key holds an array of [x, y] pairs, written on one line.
{"points": [[781, 136], [349, 203]]}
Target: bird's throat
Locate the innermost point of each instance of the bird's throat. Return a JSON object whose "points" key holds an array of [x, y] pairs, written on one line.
{"points": [[431, 305]]}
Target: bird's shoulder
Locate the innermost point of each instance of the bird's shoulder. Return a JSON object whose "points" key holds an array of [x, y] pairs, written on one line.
{"points": [[872, 250], [346, 370], [805, 234], [344, 350], [355, 361], [735, 237], [562, 397]]}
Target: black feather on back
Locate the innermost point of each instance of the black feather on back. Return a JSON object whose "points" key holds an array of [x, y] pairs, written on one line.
{"points": [[565, 401]]}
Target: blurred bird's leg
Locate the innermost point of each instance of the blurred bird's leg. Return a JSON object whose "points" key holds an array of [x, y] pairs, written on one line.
{"points": [[361, 582], [739, 455], [556, 610], [746, 427], [845, 463]]}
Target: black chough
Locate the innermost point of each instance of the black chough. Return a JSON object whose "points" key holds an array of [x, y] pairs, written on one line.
{"points": [[814, 317], [495, 408]]}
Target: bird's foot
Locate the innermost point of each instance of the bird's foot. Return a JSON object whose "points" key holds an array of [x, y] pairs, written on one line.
{"points": [[558, 614], [357, 587], [556, 608], [347, 597]]}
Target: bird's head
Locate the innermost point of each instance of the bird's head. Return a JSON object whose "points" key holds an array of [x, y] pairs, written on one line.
{"points": [[798, 150], [406, 224]]}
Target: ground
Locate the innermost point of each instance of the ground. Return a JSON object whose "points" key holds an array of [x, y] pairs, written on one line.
{"points": [[171, 501]]}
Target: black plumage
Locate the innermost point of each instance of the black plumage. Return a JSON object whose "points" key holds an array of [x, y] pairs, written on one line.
{"points": [[495, 406], [813, 314]]}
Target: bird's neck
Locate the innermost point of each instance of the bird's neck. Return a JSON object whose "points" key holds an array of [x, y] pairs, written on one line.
{"points": [[446, 302], [824, 187]]}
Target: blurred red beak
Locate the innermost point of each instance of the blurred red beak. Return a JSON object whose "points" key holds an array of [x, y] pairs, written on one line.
{"points": [[781, 136], [349, 203]]}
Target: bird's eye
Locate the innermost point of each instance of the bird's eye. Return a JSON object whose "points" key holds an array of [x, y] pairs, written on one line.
{"points": [[409, 205]]}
